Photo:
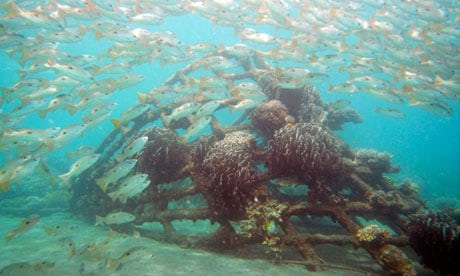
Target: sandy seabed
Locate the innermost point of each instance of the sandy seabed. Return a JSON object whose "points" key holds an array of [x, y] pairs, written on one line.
{"points": [[103, 248]]}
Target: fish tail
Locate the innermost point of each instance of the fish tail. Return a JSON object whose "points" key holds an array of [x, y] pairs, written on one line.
{"points": [[123, 199], [12, 10], [10, 235], [113, 195], [116, 123], [48, 230], [143, 98], [438, 81], [50, 63], [4, 186], [65, 178], [99, 220], [166, 120], [112, 264]]}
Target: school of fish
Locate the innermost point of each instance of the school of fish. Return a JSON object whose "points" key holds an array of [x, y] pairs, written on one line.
{"points": [[404, 52]]}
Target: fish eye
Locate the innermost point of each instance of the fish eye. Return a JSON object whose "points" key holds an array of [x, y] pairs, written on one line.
{"points": [[27, 222], [65, 132]]}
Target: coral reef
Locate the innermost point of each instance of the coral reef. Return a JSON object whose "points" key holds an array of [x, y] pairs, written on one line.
{"points": [[164, 156], [236, 177], [269, 117], [230, 175], [435, 237], [372, 234], [304, 150]]}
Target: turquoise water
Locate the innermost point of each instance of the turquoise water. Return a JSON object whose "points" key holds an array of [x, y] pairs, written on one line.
{"points": [[425, 145]]}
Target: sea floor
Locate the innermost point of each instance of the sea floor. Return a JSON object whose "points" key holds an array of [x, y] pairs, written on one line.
{"points": [[98, 251]]}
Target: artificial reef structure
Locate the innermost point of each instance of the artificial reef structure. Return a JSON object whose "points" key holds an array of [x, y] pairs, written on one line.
{"points": [[276, 180]]}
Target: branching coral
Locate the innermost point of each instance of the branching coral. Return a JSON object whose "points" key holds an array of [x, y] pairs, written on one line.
{"points": [[435, 237]]}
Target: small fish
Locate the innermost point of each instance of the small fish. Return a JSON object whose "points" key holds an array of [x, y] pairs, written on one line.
{"points": [[59, 229], [130, 114], [23, 227], [23, 268], [8, 169], [244, 104], [207, 109], [117, 172], [79, 166], [71, 71], [69, 244], [196, 127], [115, 264], [340, 104], [115, 218], [135, 147], [80, 152], [131, 187], [66, 135], [181, 112], [390, 112]]}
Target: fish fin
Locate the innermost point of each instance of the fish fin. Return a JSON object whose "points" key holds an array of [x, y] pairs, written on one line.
{"points": [[408, 88], [101, 184], [10, 235], [65, 178], [112, 264], [42, 113], [125, 130], [192, 81], [116, 123], [343, 45], [278, 72], [294, 42], [438, 81], [72, 109], [48, 230], [313, 59], [4, 186], [99, 220], [332, 13], [413, 102], [123, 199], [98, 34], [12, 9], [166, 120], [113, 195], [143, 98], [330, 88], [50, 63]]}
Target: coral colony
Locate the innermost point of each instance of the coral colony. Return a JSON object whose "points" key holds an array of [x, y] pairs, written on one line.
{"points": [[239, 178]]}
